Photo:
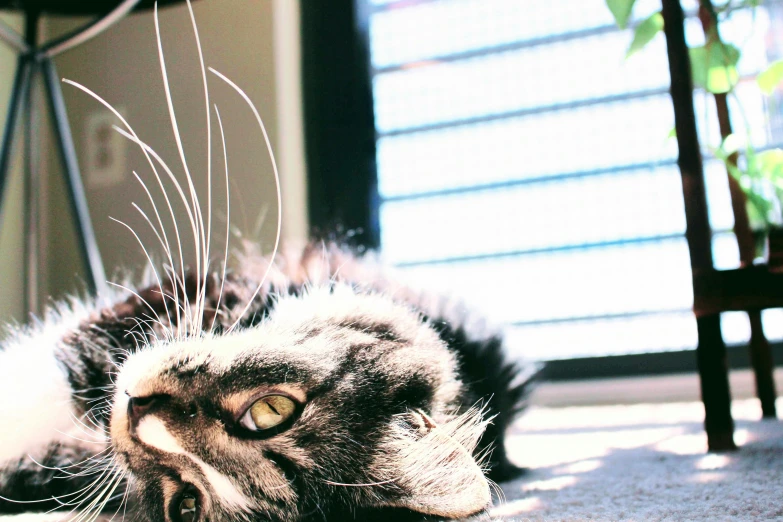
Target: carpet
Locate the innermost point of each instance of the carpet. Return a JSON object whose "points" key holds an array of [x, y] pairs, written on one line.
{"points": [[643, 462]]}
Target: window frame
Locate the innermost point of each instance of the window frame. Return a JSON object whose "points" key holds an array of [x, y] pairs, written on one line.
{"points": [[343, 197]]}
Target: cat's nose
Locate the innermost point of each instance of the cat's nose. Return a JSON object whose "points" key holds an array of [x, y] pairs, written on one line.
{"points": [[138, 407]]}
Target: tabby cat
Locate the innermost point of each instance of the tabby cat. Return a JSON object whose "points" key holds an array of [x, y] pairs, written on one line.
{"points": [[307, 385], [337, 392]]}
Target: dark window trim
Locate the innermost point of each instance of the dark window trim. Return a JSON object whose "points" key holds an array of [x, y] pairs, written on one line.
{"points": [[340, 124], [633, 365]]}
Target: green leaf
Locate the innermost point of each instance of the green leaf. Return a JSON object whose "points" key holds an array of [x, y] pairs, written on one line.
{"points": [[698, 56], [742, 177], [762, 183], [621, 10], [731, 144], [770, 77], [770, 165], [757, 221], [645, 32], [763, 207], [714, 67]]}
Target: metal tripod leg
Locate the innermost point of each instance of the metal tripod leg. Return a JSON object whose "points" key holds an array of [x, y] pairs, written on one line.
{"points": [[21, 85], [32, 187], [96, 278]]}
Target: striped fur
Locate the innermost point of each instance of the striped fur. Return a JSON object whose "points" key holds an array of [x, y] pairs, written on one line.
{"points": [[365, 353]]}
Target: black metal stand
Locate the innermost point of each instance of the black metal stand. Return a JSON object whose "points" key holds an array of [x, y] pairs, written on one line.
{"points": [[37, 61]]}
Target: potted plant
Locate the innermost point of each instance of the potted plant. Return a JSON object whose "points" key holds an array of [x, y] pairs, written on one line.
{"points": [[757, 174], [760, 175]]}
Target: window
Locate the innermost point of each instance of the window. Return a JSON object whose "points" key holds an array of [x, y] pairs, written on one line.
{"points": [[524, 164]]}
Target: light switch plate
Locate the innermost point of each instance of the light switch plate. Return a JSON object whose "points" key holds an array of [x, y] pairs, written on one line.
{"points": [[106, 150]]}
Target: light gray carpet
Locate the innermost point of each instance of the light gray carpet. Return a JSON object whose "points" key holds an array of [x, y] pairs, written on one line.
{"points": [[643, 462]]}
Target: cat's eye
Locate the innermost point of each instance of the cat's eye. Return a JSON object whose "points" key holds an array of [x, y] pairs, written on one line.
{"points": [[186, 507], [268, 412]]}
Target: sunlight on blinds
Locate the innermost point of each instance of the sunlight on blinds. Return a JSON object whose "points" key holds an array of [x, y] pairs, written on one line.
{"points": [[526, 166]]}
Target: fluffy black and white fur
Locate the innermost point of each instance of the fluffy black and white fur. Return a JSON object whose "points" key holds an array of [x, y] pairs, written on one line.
{"points": [[404, 400], [135, 403]]}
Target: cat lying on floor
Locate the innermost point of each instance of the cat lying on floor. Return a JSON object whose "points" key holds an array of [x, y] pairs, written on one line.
{"points": [[307, 386], [338, 392]]}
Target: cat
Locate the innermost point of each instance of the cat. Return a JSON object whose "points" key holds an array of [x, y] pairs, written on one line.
{"points": [[305, 385], [337, 392]]}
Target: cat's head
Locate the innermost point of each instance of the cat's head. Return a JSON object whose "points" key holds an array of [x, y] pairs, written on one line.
{"points": [[336, 401]]}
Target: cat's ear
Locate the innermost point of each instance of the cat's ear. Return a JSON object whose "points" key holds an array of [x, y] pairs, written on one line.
{"points": [[432, 466]]}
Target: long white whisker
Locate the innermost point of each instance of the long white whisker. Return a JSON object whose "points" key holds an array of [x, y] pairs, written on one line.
{"points": [[198, 225], [180, 191], [177, 279], [152, 226], [88, 490], [86, 430], [91, 418], [124, 504], [119, 116], [108, 496], [79, 424], [149, 260], [56, 498], [70, 435], [163, 240], [140, 298], [92, 470], [93, 509], [277, 189], [208, 242], [228, 218], [96, 485], [95, 458]]}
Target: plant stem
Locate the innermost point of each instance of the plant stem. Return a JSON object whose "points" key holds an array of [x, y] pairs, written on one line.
{"points": [[760, 353], [745, 241]]}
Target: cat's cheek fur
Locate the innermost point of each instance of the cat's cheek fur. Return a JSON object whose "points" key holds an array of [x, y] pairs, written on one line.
{"points": [[432, 466]]}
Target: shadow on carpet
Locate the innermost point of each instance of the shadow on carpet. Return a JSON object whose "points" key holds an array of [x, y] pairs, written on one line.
{"points": [[642, 462]]}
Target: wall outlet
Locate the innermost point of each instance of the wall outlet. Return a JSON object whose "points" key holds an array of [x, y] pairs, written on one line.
{"points": [[106, 150]]}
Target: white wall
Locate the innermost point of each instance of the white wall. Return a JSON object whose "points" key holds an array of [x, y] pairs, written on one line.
{"points": [[255, 43]]}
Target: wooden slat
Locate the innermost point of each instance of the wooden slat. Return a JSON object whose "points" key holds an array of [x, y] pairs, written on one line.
{"points": [[750, 288]]}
